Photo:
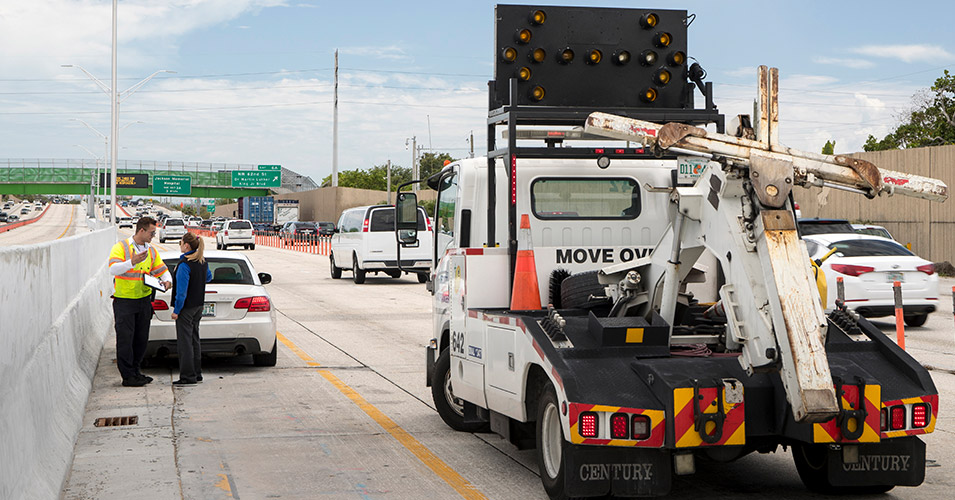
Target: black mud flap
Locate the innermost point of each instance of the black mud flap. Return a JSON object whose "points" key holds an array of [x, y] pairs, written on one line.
{"points": [[627, 472], [428, 365], [899, 461]]}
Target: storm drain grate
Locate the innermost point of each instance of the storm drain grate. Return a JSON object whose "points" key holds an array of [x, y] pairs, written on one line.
{"points": [[116, 421]]}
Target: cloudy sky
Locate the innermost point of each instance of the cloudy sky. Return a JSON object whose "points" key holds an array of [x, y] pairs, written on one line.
{"points": [[254, 78]]}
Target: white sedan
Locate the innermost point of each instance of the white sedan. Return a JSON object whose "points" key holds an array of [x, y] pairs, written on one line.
{"points": [[868, 266], [237, 317]]}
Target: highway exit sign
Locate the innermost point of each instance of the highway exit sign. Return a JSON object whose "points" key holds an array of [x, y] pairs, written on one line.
{"points": [[172, 185], [256, 178], [270, 167]]}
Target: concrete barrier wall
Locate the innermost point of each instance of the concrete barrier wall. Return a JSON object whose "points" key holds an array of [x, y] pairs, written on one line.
{"points": [[55, 314]]}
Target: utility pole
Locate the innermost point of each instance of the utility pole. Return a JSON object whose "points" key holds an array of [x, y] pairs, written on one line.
{"points": [[335, 128], [414, 161], [115, 127], [389, 181]]}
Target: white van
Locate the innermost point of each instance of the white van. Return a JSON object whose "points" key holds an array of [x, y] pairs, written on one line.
{"points": [[364, 241]]}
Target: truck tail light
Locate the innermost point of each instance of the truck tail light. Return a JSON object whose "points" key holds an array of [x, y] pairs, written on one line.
{"points": [[588, 424], [920, 415], [898, 417], [619, 426], [160, 305], [928, 269], [640, 427], [851, 270], [364, 226]]}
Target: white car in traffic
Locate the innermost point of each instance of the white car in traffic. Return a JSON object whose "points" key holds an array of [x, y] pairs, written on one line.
{"points": [[237, 317], [171, 229], [236, 233], [869, 265]]}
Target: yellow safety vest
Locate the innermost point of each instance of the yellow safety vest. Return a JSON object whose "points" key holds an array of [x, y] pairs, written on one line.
{"points": [[129, 285]]}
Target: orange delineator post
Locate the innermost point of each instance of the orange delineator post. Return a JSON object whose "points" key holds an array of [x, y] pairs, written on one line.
{"points": [[899, 319], [525, 292]]}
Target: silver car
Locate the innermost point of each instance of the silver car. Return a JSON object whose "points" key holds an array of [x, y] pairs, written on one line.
{"points": [[172, 229]]}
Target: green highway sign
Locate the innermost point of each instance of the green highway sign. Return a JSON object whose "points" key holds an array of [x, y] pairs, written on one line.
{"points": [[172, 185], [211, 208], [256, 178], [270, 167]]}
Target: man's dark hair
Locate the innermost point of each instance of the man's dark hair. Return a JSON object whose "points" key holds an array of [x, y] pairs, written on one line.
{"points": [[144, 223]]}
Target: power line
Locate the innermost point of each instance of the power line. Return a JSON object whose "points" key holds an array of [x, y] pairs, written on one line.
{"points": [[246, 106]]}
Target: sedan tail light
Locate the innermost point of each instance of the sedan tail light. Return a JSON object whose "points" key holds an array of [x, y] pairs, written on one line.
{"points": [[254, 304], [160, 305], [928, 269], [851, 270]]}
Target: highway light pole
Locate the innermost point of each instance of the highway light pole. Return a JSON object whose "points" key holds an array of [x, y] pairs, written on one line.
{"points": [[94, 181], [115, 98]]}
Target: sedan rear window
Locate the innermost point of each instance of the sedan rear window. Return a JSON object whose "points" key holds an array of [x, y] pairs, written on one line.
{"points": [[870, 248], [240, 224], [224, 271]]}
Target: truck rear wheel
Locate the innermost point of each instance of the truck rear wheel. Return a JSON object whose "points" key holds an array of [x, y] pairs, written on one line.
{"points": [[550, 444], [422, 277], [812, 463], [450, 408], [358, 274], [336, 272]]}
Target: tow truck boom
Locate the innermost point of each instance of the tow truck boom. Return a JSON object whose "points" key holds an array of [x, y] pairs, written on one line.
{"points": [[740, 210]]}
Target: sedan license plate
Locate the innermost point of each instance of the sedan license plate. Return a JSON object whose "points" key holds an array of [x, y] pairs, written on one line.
{"points": [[208, 309], [895, 276]]}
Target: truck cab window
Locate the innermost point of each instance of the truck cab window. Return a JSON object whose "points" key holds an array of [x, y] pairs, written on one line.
{"points": [[447, 194]]}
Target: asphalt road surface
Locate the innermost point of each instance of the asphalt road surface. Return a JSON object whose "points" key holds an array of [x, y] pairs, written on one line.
{"points": [[346, 414], [59, 221]]}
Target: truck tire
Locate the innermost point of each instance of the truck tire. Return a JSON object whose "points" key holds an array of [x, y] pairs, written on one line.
{"points": [[267, 359], [422, 277], [358, 274], [575, 291], [449, 408], [916, 319], [812, 463], [336, 272], [550, 443]]}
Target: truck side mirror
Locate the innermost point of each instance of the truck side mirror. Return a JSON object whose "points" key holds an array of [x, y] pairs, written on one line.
{"points": [[406, 219]]}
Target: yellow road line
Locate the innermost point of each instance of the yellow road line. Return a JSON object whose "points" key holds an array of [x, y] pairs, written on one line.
{"points": [[427, 457], [72, 209]]}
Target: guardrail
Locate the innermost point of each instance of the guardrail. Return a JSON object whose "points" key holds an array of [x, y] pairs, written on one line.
{"points": [[313, 244], [25, 222]]}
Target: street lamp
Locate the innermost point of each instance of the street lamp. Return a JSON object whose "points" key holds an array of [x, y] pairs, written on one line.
{"points": [[116, 97], [105, 143], [93, 193]]}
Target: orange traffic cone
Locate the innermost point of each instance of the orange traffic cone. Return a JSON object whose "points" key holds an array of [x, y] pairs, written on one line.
{"points": [[525, 294]]}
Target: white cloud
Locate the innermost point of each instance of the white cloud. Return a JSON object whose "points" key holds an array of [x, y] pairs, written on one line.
{"points": [[849, 63], [906, 53], [745, 71], [392, 52]]}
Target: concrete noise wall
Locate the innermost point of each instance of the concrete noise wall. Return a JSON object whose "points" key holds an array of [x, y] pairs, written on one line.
{"points": [[55, 314]]}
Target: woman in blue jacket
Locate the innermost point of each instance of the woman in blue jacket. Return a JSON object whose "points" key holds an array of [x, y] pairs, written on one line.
{"points": [[189, 293]]}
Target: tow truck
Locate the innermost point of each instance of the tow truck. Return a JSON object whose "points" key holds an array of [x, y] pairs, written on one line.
{"points": [[681, 317]]}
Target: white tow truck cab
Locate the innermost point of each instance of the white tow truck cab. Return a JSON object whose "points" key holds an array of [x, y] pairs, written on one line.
{"points": [[565, 317]]}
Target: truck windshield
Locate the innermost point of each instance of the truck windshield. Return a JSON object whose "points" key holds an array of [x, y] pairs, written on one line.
{"points": [[614, 198]]}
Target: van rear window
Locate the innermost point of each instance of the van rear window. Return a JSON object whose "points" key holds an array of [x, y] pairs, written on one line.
{"points": [[383, 219], [613, 198]]}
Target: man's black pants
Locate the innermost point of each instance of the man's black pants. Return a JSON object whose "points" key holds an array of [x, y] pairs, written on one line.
{"points": [[187, 343], [132, 333]]}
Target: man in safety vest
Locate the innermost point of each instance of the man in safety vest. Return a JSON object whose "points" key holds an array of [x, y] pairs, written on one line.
{"points": [[129, 260]]}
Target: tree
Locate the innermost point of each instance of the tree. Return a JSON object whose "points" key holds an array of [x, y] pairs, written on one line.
{"points": [[375, 178], [829, 148], [931, 122], [432, 163]]}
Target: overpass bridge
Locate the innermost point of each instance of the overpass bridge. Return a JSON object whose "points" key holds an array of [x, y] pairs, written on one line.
{"points": [[206, 180]]}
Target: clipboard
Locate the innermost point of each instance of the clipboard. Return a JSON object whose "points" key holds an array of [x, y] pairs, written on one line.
{"points": [[153, 282]]}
